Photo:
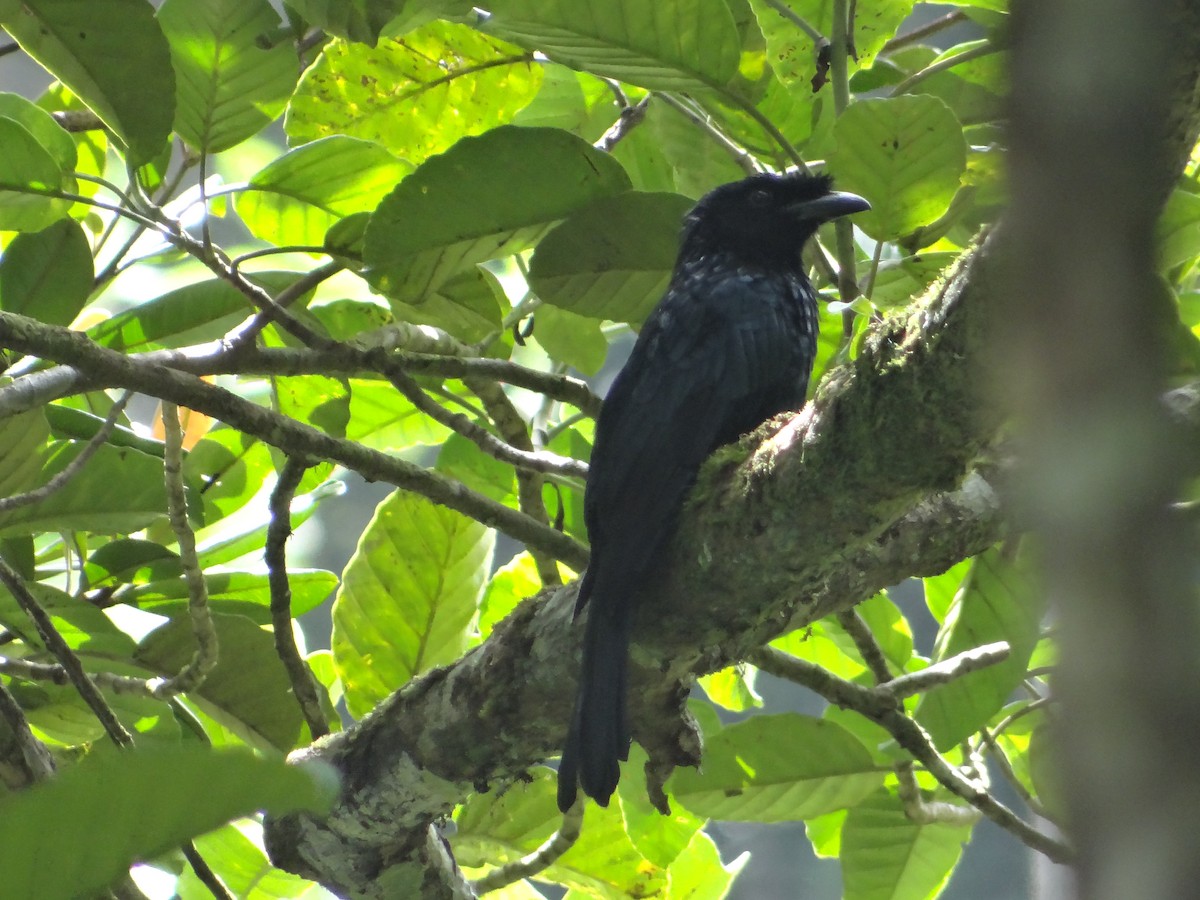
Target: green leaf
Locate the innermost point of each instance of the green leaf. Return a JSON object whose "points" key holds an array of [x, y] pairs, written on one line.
{"points": [[825, 644], [245, 531], [1178, 230], [512, 583], [974, 88], [890, 628], [98, 833], [47, 274], [247, 594], [997, 603], [383, 420], [318, 400], [499, 827], [58, 715], [25, 163], [84, 627], [940, 590], [45, 130], [698, 873], [612, 259], [561, 103], [228, 468], [229, 86], [298, 197], [443, 82], [113, 55], [248, 691], [347, 319], [732, 688], [486, 197], [21, 453], [777, 769], [699, 164], [467, 305], [671, 45], [361, 20], [119, 490], [792, 54], [243, 868], [885, 856], [192, 314], [462, 459], [409, 596], [825, 834], [66, 422], [130, 561], [906, 155], [899, 281], [661, 839], [570, 338]]}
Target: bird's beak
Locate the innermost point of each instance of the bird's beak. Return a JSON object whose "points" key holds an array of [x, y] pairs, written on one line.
{"points": [[832, 206]]}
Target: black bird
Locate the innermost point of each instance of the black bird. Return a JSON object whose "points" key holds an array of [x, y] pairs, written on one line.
{"points": [[730, 344]]}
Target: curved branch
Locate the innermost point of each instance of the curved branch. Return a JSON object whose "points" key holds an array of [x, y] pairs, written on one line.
{"points": [[108, 367]]}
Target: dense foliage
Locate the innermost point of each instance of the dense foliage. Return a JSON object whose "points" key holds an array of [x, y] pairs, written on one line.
{"points": [[470, 208]]}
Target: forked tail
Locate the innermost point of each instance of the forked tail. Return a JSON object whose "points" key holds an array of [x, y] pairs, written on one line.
{"points": [[599, 736]]}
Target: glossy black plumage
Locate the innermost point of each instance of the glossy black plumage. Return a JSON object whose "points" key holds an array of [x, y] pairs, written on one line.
{"points": [[730, 345]]}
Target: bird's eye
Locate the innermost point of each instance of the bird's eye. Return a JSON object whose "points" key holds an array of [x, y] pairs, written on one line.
{"points": [[760, 198]]}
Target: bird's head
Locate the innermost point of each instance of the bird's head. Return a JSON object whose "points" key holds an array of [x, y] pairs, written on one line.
{"points": [[765, 219]]}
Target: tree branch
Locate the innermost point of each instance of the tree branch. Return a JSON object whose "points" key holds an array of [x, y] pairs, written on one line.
{"points": [[108, 367]]}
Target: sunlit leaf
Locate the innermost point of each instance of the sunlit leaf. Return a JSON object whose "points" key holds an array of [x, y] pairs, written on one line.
{"points": [[98, 833], [487, 197], [113, 55], [416, 94], [408, 597], [229, 85]]}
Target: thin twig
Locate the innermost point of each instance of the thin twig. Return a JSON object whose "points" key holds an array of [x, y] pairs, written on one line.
{"points": [[114, 369], [204, 872], [66, 657], [799, 21], [1006, 769], [207, 652], [515, 432], [740, 155], [35, 389], [843, 229], [74, 467], [28, 759], [946, 671], [913, 738], [629, 119], [985, 49], [249, 331], [921, 32], [56, 674], [530, 460], [868, 647], [540, 859], [278, 531]]}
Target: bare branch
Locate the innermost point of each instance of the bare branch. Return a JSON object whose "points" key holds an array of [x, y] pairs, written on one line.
{"points": [[912, 737], [74, 467], [278, 531], [946, 671], [109, 367], [540, 859], [66, 657], [204, 660]]}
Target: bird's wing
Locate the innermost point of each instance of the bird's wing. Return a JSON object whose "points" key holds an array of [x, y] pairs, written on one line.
{"points": [[696, 379]]}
